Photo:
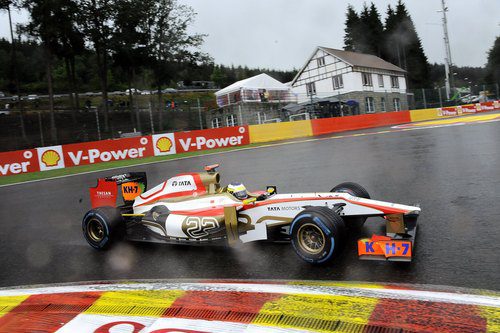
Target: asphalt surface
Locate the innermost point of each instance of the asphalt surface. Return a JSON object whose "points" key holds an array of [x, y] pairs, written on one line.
{"points": [[452, 172]]}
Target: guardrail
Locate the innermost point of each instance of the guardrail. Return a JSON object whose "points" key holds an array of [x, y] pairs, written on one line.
{"points": [[63, 156]]}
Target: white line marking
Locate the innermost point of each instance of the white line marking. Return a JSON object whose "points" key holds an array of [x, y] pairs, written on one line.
{"points": [[402, 294]]}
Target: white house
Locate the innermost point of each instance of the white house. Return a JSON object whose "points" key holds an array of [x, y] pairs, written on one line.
{"points": [[365, 82]]}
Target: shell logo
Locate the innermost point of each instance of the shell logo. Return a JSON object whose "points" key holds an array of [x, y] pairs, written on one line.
{"points": [[50, 158], [164, 144]]}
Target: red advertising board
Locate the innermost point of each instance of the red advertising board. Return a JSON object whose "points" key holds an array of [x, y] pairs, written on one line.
{"points": [[340, 124], [19, 161], [211, 138], [107, 150]]}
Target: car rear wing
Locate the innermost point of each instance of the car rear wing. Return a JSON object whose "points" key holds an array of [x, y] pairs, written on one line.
{"points": [[131, 184]]}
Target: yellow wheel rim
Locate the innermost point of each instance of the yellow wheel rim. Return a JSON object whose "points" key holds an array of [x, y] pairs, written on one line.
{"points": [[311, 238], [95, 230]]}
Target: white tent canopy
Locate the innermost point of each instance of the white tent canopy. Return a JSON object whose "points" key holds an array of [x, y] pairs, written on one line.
{"points": [[261, 81]]}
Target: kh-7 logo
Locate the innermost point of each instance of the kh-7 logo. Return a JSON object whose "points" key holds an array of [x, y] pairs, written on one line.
{"points": [[390, 248]]}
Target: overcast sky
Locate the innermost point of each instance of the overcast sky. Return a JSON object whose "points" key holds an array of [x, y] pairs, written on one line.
{"points": [[281, 34]]}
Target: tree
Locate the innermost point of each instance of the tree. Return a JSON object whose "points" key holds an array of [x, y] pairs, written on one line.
{"points": [[493, 64], [129, 41], [169, 42], [71, 44], [375, 31], [44, 25], [14, 78], [403, 47], [363, 33], [352, 33], [96, 20]]}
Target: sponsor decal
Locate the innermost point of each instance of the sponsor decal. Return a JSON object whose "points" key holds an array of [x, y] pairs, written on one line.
{"points": [[212, 139], [164, 144], [50, 158], [468, 108], [104, 194], [107, 150], [181, 184], [285, 208], [17, 162], [198, 227], [449, 111], [130, 190]]}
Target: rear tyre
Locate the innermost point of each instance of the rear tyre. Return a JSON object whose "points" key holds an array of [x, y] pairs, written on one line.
{"points": [[103, 226], [357, 191], [317, 234]]}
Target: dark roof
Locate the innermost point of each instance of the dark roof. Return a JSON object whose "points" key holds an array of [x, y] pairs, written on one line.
{"points": [[363, 60]]}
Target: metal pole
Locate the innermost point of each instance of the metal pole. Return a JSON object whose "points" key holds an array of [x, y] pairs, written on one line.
{"points": [[98, 125], [151, 118], [448, 61], [496, 86], [423, 95], [41, 128], [241, 115], [440, 98], [199, 113]]}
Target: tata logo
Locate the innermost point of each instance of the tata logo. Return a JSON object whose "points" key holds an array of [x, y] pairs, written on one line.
{"points": [[272, 209], [181, 183]]}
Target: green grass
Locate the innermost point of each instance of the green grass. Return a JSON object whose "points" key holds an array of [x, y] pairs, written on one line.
{"points": [[5, 180]]}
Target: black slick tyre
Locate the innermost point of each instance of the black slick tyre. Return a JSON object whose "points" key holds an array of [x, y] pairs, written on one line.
{"points": [[317, 234], [357, 191], [103, 226]]}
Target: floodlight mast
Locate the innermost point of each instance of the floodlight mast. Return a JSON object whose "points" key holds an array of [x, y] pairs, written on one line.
{"points": [[447, 62]]}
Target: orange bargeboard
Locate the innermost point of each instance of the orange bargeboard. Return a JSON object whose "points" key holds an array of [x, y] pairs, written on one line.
{"points": [[340, 124]]}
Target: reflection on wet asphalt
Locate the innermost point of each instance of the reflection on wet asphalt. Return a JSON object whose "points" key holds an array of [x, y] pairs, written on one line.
{"points": [[452, 172]]}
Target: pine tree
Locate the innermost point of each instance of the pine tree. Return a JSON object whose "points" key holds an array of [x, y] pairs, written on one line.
{"points": [[403, 47], [493, 65], [351, 29], [376, 31]]}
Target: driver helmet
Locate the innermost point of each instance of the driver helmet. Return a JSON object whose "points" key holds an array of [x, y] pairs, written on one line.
{"points": [[238, 190]]}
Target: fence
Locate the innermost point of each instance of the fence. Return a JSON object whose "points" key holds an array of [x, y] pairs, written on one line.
{"points": [[30, 125], [435, 98]]}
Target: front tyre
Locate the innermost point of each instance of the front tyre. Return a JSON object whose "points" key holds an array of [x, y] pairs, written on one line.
{"points": [[317, 234], [102, 226], [353, 222]]}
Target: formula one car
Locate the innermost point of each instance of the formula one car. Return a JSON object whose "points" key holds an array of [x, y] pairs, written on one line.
{"points": [[194, 209]]}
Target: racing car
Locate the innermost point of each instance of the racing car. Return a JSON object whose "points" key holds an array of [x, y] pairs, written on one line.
{"points": [[195, 209]]}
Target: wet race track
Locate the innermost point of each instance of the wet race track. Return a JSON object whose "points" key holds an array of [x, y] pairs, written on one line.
{"points": [[452, 172]]}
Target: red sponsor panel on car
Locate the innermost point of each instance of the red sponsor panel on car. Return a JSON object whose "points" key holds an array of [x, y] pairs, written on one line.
{"points": [[107, 150], [211, 139], [19, 161]]}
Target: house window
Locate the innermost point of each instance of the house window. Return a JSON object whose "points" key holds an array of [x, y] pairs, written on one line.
{"points": [[380, 81], [367, 79], [397, 104], [311, 89], [394, 82], [338, 82], [370, 107], [321, 61], [216, 122], [382, 104], [231, 120]]}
